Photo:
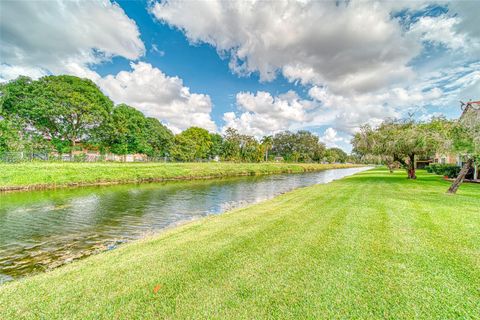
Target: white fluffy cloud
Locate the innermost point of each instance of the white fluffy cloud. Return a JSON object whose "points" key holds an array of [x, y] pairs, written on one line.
{"points": [[158, 95], [261, 113], [347, 113], [442, 30], [41, 37], [331, 138], [351, 46]]}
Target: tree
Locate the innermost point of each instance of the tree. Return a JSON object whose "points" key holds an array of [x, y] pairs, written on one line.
{"points": [[123, 133], [368, 143], [9, 137], [202, 141], [240, 147], [64, 109], [250, 149], [300, 146], [402, 141], [465, 140], [231, 145], [17, 100], [128, 131], [267, 142], [216, 147], [159, 138], [335, 155], [183, 149]]}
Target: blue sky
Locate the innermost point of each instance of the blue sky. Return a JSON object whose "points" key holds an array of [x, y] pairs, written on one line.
{"points": [[260, 67]]}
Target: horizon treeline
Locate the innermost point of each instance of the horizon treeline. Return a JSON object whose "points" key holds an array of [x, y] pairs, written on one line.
{"points": [[58, 113]]}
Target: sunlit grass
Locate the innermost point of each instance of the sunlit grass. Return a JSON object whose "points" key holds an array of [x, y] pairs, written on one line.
{"points": [[370, 246]]}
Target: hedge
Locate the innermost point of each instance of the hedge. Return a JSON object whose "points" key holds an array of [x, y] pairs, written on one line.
{"points": [[449, 170]]}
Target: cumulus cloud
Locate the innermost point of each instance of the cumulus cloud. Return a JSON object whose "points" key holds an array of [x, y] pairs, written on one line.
{"points": [[466, 13], [347, 113], [42, 37], [440, 30], [262, 113], [351, 46], [331, 138], [158, 95]]}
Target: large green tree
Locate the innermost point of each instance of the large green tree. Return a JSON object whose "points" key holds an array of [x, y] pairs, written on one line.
{"points": [[17, 132], [301, 146], [64, 109], [372, 144], [10, 139], [129, 131], [250, 149], [333, 155], [183, 149], [159, 138], [216, 147], [123, 133], [241, 147], [231, 145], [401, 141], [202, 141]]}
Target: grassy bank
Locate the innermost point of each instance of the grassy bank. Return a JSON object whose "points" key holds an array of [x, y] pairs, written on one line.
{"points": [[41, 175], [373, 245]]}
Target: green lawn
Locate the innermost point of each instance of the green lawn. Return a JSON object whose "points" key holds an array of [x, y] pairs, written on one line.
{"points": [[371, 246], [38, 175]]}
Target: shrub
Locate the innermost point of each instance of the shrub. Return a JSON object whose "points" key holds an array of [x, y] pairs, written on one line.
{"points": [[449, 170]]}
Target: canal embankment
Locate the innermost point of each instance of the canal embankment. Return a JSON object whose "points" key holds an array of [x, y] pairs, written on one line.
{"points": [[51, 175]]}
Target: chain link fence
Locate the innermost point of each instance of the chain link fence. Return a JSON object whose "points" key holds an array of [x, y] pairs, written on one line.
{"points": [[28, 156]]}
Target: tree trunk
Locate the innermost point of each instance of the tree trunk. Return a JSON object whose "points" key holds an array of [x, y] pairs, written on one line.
{"points": [[390, 166], [72, 149], [461, 176], [411, 167]]}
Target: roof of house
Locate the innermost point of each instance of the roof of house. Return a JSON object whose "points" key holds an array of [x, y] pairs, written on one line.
{"points": [[471, 114], [471, 106]]}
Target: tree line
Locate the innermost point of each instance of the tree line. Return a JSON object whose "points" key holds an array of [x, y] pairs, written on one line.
{"points": [[57, 113]]}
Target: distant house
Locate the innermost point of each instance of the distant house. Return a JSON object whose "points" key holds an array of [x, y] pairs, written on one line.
{"points": [[447, 158], [278, 159]]}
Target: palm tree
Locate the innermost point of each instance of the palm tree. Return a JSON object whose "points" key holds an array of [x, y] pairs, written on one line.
{"points": [[267, 143]]}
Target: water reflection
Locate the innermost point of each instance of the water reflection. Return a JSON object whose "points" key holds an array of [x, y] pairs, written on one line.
{"points": [[41, 230]]}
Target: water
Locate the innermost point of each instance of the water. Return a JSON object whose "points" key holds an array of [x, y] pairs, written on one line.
{"points": [[44, 229]]}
